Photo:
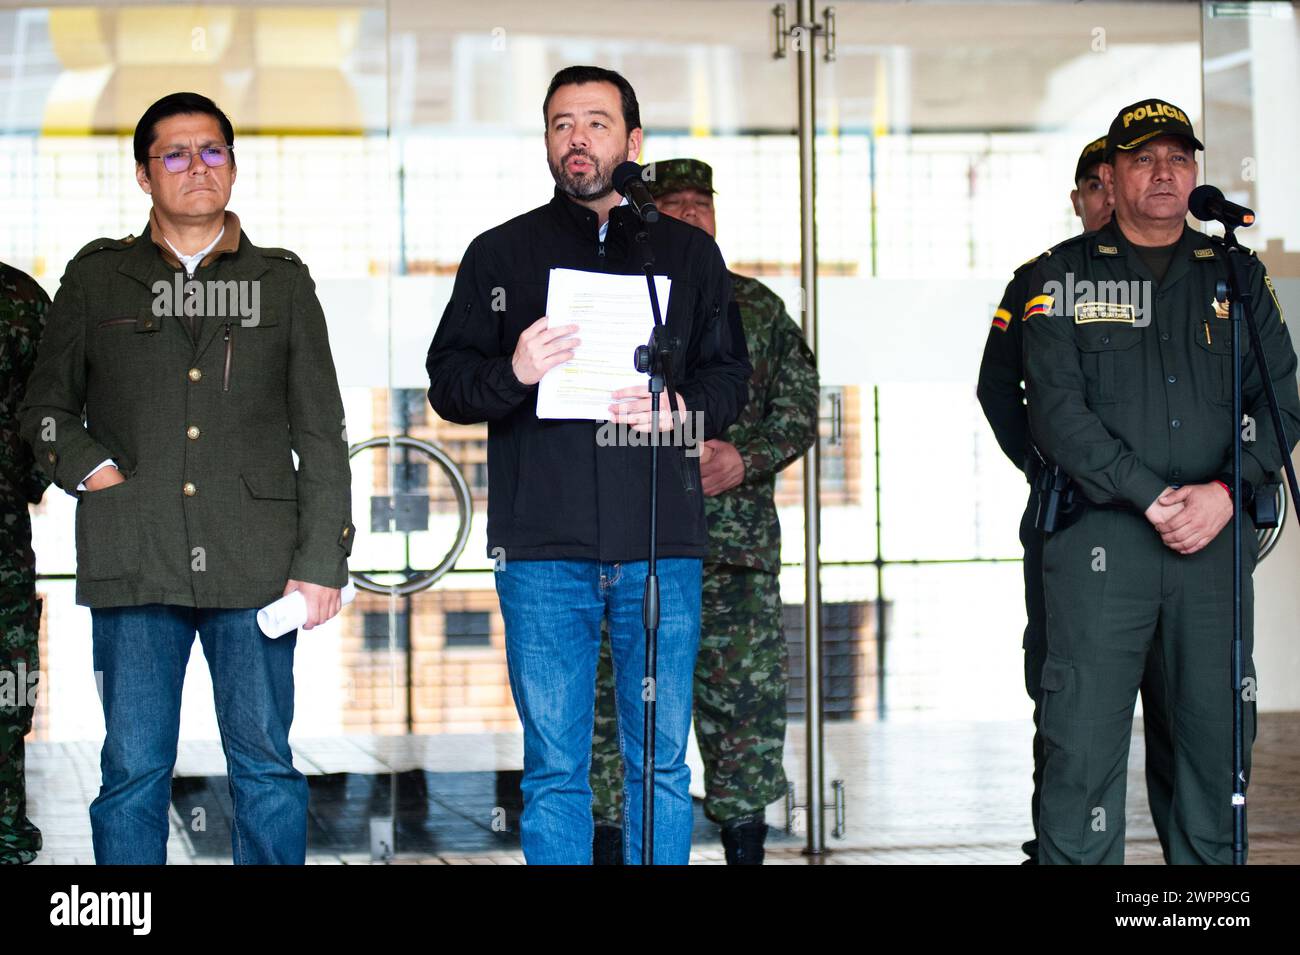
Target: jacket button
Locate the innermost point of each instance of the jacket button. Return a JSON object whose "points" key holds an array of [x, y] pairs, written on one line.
{"points": [[1173, 379], [1105, 339], [345, 532], [195, 374], [50, 456], [189, 489], [1175, 423], [192, 432]]}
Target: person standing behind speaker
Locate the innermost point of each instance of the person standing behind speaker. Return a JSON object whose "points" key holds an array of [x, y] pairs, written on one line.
{"points": [[740, 672]]}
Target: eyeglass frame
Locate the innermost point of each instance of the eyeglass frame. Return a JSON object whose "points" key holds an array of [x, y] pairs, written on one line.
{"points": [[224, 149]]}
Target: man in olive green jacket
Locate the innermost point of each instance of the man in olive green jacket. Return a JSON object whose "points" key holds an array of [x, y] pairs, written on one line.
{"points": [[196, 390]]}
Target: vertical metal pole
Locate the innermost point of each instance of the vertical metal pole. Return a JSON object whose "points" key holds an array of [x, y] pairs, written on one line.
{"points": [[812, 605]]}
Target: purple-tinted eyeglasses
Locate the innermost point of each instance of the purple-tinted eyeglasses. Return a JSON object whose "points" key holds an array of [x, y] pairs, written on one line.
{"points": [[179, 160]]}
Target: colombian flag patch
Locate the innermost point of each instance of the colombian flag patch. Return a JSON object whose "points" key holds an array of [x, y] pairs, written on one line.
{"points": [[1001, 318], [1038, 305]]}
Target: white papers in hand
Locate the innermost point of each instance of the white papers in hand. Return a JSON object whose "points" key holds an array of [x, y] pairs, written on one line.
{"points": [[290, 611], [613, 316]]}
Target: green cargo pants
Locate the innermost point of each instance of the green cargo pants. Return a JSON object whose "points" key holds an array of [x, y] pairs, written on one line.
{"points": [[1114, 593]]}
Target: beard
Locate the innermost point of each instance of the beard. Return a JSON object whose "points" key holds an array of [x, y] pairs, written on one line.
{"points": [[595, 184]]}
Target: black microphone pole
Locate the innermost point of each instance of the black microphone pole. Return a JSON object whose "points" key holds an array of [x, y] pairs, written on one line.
{"points": [[1237, 288], [653, 359]]}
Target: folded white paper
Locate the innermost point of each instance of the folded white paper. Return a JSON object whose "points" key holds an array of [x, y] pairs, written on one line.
{"points": [[290, 612]]}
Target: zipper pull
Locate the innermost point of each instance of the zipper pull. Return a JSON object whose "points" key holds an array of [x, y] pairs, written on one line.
{"points": [[225, 375]]}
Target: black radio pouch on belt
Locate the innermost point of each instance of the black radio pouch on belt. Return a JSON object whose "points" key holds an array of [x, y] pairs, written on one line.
{"points": [[1263, 503]]}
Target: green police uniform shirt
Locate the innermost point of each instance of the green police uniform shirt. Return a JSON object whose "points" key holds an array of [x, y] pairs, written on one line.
{"points": [[1130, 383], [1001, 390], [779, 424]]}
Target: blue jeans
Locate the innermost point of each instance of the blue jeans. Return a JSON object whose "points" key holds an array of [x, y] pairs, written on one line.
{"points": [[141, 653], [552, 611]]}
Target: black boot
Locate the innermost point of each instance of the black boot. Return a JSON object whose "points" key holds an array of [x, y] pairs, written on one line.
{"points": [[607, 845], [742, 841]]}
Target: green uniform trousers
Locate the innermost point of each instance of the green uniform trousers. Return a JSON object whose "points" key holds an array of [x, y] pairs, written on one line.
{"points": [[1115, 593], [740, 701]]}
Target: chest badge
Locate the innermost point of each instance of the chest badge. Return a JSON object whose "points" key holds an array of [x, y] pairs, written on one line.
{"points": [[1221, 309], [1086, 312]]}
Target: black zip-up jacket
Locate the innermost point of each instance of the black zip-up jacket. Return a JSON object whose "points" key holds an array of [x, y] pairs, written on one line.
{"points": [[553, 493]]}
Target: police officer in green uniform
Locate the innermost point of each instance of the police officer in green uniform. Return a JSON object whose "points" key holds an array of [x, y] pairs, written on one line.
{"points": [[1129, 380], [1002, 395], [23, 304], [740, 672]]}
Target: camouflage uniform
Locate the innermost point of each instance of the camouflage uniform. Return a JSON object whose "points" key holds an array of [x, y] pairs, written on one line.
{"points": [[22, 318], [740, 673]]}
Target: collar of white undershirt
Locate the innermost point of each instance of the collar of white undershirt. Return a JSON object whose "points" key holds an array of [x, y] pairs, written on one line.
{"points": [[604, 226], [191, 262]]}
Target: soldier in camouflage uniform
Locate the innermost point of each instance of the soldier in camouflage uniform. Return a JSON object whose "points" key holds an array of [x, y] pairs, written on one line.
{"points": [[22, 318], [740, 673]]}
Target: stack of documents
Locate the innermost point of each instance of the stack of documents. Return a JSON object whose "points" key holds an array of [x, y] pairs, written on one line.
{"points": [[613, 316]]}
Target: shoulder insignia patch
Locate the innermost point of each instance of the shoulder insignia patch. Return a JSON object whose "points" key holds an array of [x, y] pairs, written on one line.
{"points": [[1001, 318], [1268, 283], [1038, 305]]}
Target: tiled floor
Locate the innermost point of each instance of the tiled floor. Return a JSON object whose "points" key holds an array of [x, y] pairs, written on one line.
{"points": [[916, 792]]}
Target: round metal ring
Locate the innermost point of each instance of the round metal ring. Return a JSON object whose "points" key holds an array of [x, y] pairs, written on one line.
{"points": [[464, 504]]}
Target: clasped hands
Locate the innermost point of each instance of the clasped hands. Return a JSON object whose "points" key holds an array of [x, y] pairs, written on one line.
{"points": [[1188, 518]]}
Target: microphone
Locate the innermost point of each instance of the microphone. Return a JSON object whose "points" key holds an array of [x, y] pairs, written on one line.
{"points": [[1207, 204], [627, 180]]}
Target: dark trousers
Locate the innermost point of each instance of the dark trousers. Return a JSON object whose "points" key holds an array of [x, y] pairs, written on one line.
{"points": [[1118, 598], [1159, 746]]}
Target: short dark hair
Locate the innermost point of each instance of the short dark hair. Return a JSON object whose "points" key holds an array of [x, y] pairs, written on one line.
{"points": [[176, 104], [596, 74]]}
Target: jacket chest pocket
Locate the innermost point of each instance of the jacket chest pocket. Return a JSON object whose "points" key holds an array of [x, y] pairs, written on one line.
{"points": [[1214, 349], [127, 338], [250, 348], [1111, 360]]}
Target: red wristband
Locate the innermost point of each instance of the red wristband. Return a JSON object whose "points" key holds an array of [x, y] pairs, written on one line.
{"points": [[1226, 490]]}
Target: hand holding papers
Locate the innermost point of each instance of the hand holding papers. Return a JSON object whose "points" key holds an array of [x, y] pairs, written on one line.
{"points": [[612, 313], [290, 612]]}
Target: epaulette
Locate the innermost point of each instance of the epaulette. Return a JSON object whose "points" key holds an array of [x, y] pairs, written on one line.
{"points": [[281, 254], [1072, 241], [1030, 263], [104, 244]]}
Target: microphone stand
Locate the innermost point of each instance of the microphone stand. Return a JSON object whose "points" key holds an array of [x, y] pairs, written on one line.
{"points": [[655, 360], [1239, 295]]}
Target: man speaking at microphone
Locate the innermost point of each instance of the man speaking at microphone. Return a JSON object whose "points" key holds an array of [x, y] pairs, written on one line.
{"points": [[567, 513], [1130, 388]]}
